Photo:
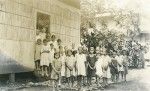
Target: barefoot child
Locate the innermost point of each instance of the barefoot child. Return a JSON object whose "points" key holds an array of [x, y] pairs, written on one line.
{"points": [[119, 59], [80, 62], [98, 65], [91, 60], [105, 67], [125, 64], [56, 70], [38, 54], [63, 69], [51, 58], [45, 57], [70, 68], [114, 68]]}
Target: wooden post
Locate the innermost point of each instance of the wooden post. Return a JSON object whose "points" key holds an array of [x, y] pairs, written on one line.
{"points": [[12, 77]]}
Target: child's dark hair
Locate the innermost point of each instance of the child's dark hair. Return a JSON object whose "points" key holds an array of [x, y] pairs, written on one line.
{"points": [[44, 40], [39, 40], [74, 53], [58, 40], [56, 54], [53, 36]]}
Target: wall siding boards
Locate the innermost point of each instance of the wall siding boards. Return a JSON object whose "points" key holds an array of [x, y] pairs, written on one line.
{"points": [[18, 30]]}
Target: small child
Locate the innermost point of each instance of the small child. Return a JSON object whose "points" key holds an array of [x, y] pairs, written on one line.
{"points": [[125, 64], [70, 68], [38, 54], [63, 69], [105, 67], [56, 70], [114, 68], [42, 34], [91, 60], [53, 38], [80, 62], [73, 49], [119, 59], [59, 43], [51, 58], [48, 38], [98, 64], [45, 58]]}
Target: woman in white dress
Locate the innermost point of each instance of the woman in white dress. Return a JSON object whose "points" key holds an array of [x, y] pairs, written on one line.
{"points": [[45, 57]]}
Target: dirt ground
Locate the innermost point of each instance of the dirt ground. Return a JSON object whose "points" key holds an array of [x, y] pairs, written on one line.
{"points": [[137, 80]]}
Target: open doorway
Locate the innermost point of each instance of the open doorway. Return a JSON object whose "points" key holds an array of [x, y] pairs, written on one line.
{"points": [[42, 25]]}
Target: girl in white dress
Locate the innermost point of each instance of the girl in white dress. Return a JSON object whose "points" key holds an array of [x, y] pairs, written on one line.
{"points": [[98, 65], [45, 57], [53, 37], [70, 68], [105, 67], [119, 59], [56, 71], [80, 66], [63, 69], [51, 58]]}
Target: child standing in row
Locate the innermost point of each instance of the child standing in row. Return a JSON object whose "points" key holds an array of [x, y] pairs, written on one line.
{"points": [[114, 67], [119, 59], [80, 62], [105, 67], [125, 64], [51, 58], [98, 65], [45, 57], [56, 70], [91, 60], [38, 54], [63, 69], [70, 68]]}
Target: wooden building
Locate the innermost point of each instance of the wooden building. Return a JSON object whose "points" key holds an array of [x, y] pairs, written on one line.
{"points": [[18, 20]]}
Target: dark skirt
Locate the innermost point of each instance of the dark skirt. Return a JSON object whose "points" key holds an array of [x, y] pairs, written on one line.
{"points": [[114, 70], [90, 72]]}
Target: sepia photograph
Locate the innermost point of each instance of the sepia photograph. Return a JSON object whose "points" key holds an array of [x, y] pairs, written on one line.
{"points": [[74, 45]]}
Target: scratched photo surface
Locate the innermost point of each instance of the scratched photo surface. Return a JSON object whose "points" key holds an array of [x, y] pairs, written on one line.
{"points": [[74, 45]]}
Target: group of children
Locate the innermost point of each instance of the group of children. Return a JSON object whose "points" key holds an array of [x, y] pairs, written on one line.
{"points": [[68, 66]]}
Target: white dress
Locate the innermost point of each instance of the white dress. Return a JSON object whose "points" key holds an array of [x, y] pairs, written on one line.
{"points": [[63, 69], [45, 55], [70, 64], [108, 70], [55, 44], [51, 55], [120, 62], [106, 61], [38, 52], [98, 66], [80, 64]]}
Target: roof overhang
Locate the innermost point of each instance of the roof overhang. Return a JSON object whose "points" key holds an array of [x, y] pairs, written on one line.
{"points": [[73, 3]]}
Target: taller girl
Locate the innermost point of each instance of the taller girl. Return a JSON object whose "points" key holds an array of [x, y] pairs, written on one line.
{"points": [[91, 60]]}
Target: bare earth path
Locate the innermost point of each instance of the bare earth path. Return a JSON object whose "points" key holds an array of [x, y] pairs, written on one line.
{"points": [[138, 80]]}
